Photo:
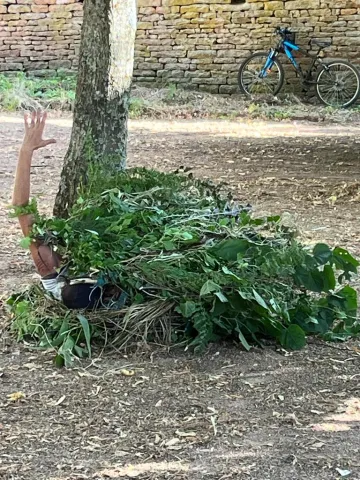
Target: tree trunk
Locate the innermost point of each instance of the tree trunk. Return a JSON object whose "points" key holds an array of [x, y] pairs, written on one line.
{"points": [[99, 132]]}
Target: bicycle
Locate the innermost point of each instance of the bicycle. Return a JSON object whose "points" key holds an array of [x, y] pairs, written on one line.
{"points": [[337, 82]]}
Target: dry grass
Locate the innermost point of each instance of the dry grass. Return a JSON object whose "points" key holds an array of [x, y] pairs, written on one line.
{"points": [[20, 92], [170, 102]]}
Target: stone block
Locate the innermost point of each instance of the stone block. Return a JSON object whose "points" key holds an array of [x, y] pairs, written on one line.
{"points": [[274, 5], [149, 3], [33, 16], [144, 25], [10, 16], [39, 8], [60, 14], [56, 64], [302, 4], [11, 67], [228, 89], [201, 54], [209, 88], [19, 9]]}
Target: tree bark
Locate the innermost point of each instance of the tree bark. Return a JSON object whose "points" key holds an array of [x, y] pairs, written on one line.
{"points": [[99, 132]]}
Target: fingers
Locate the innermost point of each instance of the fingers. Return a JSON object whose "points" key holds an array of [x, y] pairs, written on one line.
{"points": [[26, 121], [36, 118], [44, 117], [45, 143], [33, 119]]}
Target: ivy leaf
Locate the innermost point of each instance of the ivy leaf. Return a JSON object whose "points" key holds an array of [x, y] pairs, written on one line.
{"points": [[221, 297], [310, 279], [293, 338], [322, 253], [230, 249], [209, 287], [329, 278], [260, 300], [343, 257], [187, 309]]}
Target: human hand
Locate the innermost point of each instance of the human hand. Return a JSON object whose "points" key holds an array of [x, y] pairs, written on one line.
{"points": [[34, 129]]}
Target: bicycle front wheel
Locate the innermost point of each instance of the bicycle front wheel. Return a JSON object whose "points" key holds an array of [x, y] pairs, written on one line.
{"points": [[252, 82], [338, 84]]}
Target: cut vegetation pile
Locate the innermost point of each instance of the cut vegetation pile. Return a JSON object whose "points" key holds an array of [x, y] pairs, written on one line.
{"points": [[193, 267]]}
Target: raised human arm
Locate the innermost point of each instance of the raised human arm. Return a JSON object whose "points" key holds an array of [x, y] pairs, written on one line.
{"points": [[34, 129], [45, 260]]}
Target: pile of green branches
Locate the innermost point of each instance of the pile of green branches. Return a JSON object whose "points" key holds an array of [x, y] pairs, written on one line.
{"points": [[194, 268]]}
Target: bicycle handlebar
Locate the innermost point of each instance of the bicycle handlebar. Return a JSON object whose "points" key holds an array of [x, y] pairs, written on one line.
{"points": [[282, 31]]}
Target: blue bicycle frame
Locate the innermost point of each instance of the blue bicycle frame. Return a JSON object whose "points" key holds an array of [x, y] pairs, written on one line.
{"points": [[288, 47]]}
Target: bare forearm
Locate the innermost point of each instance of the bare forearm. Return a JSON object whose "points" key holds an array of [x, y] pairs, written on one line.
{"points": [[32, 141], [21, 193]]}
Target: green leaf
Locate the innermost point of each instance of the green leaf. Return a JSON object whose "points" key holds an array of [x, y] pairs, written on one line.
{"points": [[329, 278], [346, 262], [260, 300], [293, 338], [25, 242], [243, 340], [219, 308], [343, 257], [60, 338], [209, 287], [350, 300], [230, 249], [322, 253], [66, 351], [221, 297], [312, 280], [59, 361], [231, 274], [29, 209], [168, 245], [187, 309], [86, 328]]}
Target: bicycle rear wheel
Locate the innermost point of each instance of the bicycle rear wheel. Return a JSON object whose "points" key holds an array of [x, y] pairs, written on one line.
{"points": [[338, 84], [250, 80]]}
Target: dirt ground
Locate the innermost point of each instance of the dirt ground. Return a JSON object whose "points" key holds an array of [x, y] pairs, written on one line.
{"points": [[266, 414]]}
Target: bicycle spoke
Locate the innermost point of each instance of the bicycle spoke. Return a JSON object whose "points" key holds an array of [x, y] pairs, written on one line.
{"points": [[338, 85], [254, 82]]}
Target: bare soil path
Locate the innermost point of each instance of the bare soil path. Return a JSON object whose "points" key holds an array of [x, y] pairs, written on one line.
{"points": [[229, 414]]}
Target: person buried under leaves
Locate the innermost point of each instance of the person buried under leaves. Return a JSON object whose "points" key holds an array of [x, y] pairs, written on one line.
{"points": [[75, 293]]}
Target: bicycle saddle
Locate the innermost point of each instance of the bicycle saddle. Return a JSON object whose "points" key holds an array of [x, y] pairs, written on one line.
{"points": [[320, 43]]}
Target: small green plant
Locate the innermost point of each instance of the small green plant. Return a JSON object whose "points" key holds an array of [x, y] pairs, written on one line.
{"points": [[253, 108], [137, 107], [66, 334], [20, 91], [280, 115], [171, 92]]}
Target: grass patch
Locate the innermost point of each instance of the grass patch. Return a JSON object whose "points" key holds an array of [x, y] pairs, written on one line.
{"points": [[22, 92]]}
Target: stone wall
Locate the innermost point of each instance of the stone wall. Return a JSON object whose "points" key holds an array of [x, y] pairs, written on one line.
{"points": [[193, 43], [200, 43], [39, 34]]}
